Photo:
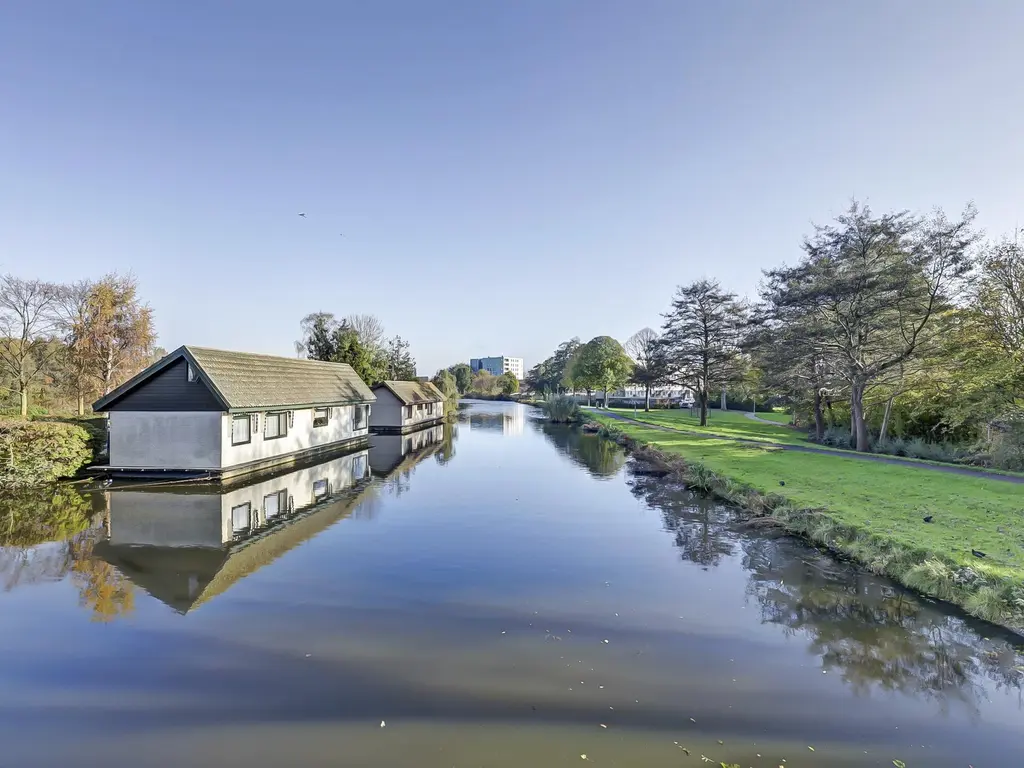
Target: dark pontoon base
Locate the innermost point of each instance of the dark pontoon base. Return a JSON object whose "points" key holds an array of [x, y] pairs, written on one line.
{"points": [[227, 473], [405, 430]]}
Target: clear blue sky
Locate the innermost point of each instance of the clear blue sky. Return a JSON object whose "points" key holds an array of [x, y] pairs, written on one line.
{"points": [[506, 174]]}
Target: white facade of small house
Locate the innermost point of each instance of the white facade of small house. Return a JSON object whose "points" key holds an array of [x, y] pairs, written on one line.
{"points": [[405, 405], [281, 432], [202, 410]]}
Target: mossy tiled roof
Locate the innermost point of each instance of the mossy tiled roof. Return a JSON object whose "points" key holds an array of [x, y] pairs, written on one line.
{"points": [[245, 380], [413, 392]]}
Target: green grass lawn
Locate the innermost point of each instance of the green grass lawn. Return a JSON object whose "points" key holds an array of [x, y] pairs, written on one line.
{"points": [[724, 424], [781, 417], [888, 501]]}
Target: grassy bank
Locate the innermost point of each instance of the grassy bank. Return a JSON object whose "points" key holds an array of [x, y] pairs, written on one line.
{"points": [[873, 513], [724, 424]]}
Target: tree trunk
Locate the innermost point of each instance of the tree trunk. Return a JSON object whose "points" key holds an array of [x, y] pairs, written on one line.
{"points": [[884, 431], [860, 427], [647, 398], [81, 404], [724, 404], [703, 408], [588, 398], [831, 413], [819, 421], [23, 393]]}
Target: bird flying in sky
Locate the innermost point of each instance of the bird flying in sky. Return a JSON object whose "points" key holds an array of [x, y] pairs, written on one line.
{"points": [[302, 215]]}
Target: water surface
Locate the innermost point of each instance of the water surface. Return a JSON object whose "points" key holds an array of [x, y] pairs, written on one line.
{"points": [[497, 593]]}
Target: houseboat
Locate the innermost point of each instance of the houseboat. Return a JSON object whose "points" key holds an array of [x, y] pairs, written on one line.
{"points": [[211, 413], [404, 406]]}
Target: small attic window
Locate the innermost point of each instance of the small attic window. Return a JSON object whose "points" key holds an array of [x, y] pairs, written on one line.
{"points": [[193, 377]]}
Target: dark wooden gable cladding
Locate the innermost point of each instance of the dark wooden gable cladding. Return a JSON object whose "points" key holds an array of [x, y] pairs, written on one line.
{"points": [[168, 390]]}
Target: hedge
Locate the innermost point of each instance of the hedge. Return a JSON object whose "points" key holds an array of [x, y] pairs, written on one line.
{"points": [[35, 452]]}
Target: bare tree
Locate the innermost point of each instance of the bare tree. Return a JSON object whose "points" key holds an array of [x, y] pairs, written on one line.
{"points": [[369, 329], [73, 310], [650, 366], [28, 325]]}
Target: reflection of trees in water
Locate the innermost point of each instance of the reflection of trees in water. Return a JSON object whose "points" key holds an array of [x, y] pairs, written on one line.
{"points": [[495, 422], [102, 588], [873, 635], [48, 535], [447, 450], [600, 457], [699, 525], [46, 514]]}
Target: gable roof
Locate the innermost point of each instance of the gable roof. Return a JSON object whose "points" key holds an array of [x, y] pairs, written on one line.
{"points": [[412, 392], [242, 380]]}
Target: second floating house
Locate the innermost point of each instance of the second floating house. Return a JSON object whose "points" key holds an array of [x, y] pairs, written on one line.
{"points": [[404, 406]]}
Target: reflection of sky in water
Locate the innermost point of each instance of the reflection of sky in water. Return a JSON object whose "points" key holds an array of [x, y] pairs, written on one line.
{"points": [[470, 611]]}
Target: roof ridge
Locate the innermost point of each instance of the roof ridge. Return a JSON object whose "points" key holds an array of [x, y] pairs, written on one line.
{"points": [[263, 355]]}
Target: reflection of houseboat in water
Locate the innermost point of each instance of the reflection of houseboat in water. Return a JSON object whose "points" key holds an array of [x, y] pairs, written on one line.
{"points": [[185, 544], [394, 453]]}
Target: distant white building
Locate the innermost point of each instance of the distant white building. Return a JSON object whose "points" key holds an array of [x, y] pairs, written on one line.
{"points": [[634, 394], [498, 365]]}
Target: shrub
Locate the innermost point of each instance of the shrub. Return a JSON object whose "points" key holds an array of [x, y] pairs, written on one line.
{"points": [[837, 437], [561, 409], [36, 452]]}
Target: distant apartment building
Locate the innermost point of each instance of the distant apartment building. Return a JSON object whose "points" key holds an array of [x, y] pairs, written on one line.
{"points": [[498, 365]]}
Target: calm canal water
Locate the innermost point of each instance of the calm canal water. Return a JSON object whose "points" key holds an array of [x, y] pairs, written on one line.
{"points": [[500, 593]]}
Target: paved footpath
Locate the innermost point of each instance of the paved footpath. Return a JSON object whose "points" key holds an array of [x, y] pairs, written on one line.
{"points": [[947, 468]]}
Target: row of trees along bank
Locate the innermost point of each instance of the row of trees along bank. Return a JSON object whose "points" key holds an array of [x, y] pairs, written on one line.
{"points": [[897, 325], [461, 379], [62, 345]]}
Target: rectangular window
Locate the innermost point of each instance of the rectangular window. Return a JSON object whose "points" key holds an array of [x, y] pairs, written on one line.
{"points": [[193, 377], [241, 518], [359, 416], [240, 429], [320, 489], [408, 411], [276, 425], [321, 416], [274, 504]]}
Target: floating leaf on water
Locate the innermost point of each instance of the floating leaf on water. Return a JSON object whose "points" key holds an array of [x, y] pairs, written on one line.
{"points": [[811, 748], [899, 764], [381, 723], [603, 725]]}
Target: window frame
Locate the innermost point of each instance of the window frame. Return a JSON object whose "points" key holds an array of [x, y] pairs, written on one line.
{"points": [[360, 416], [408, 412], [279, 416], [248, 431], [326, 417]]}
